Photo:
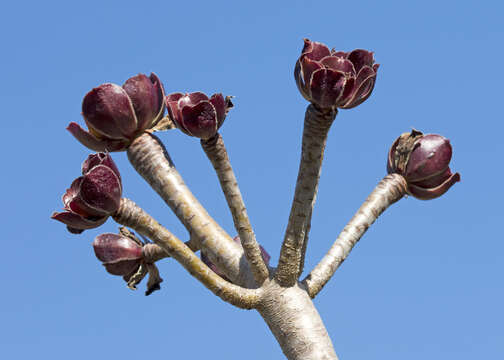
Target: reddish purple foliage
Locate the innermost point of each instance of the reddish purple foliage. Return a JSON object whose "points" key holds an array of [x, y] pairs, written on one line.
{"points": [[92, 197], [424, 162], [119, 254], [115, 115], [196, 114], [330, 78]]}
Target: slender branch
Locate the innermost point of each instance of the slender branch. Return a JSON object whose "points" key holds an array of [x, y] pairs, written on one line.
{"points": [[389, 190], [218, 156], [316, 127], [153, 252], [131, 215], [151, 160]]}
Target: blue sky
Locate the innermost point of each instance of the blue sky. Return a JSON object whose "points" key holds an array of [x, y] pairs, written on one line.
{"points": [[426, 280]]}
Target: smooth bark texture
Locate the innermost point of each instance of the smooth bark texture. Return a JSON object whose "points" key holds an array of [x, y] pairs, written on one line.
{"points": [[316, 128], [218, 156], [389, 190], [285, 306], [154, 252], [295, 322], [289, 312], [131, 215], [151, 160]]}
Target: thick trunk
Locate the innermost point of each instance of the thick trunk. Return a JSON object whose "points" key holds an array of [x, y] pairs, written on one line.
{"points": [[296, 323]]}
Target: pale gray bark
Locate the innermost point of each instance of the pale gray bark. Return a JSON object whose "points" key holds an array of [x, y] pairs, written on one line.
{"points": [[151, 160], [289, 312], [389, 190], [316, 128], [295, 322], [218, 156], [131, 215], [154, 252], [286, 307]]}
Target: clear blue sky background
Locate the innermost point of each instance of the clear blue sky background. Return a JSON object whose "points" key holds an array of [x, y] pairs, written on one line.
{"points": [[426, 281]]}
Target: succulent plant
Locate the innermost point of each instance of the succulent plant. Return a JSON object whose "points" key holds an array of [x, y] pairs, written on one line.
{"points": [[92, 197], [120, 254], [115, 115], [196, 114], [424, 162], [330, 78], [125, 255]]}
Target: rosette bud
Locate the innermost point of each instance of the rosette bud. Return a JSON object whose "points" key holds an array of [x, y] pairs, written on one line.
{"points": [[119, 254], [266, 257], [115, 115], [196, 114], [124, 254], [92, 197], [330, 78], [424, 162]]}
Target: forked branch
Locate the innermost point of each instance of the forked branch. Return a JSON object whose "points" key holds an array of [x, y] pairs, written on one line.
{"points": [[131, 215], [151, 160]]}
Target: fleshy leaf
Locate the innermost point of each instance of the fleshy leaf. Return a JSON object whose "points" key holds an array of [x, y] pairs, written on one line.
{"points": [[217, 100], [109, 111], [431, 157], [432, 193], [200, 120], [337, 63], [308, 67], [99, 159], [326, 87], [101, 189], [112, 248], [145, 98], [315, 50], [92, 142], [360, 58], [78, 222], [363, 88]]}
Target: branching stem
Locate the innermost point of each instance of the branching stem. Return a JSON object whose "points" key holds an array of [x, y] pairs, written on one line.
{"points": [[151, 160], [153, 252], [218, 156], [316, 128], [389, 190], [131, 215]]}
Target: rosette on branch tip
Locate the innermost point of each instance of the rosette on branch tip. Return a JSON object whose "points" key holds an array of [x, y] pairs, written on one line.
{"points": [[123, 255], [266, 257], [198, 115], [115, 115], [92, 197], [424, 162], [329, 78]]}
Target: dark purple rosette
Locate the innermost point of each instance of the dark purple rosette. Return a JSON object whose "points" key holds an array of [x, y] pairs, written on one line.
{"points": [[196, 114], [125, 255], [120, 255], [92, 197], [424, 162], [335, 79], [115, 115]]}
